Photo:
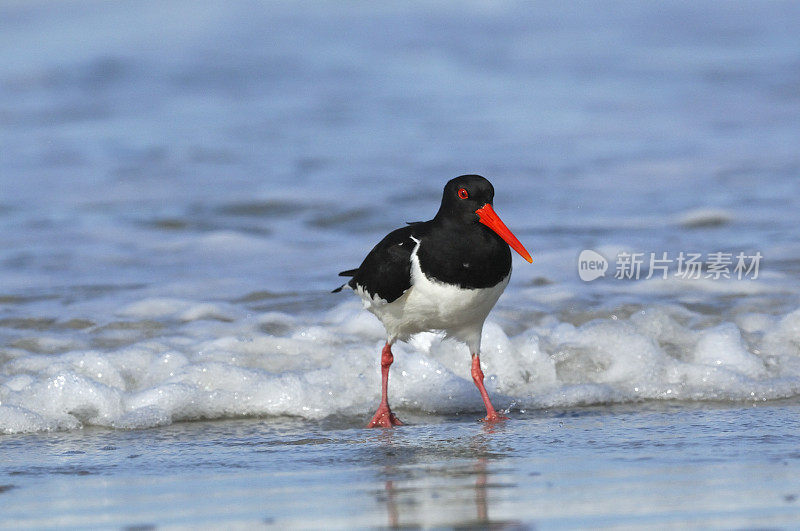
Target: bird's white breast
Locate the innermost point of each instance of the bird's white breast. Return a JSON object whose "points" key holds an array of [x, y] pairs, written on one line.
{"points": [[433, 305]]}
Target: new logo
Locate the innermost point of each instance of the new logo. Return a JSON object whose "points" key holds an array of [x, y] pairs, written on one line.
{"points": [[591, 265]]}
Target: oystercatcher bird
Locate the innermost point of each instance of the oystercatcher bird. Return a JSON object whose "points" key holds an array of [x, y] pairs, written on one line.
{"points": [[445, 274]]}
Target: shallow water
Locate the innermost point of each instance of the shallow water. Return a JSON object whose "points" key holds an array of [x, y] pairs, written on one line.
{"points": [[659, 466], [180, 185]]}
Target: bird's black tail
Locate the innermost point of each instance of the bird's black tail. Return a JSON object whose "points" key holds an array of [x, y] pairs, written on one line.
{"points": [[348, 273]]}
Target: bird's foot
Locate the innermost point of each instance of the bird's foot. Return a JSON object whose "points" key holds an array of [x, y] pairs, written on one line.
{"points": [[384, 418], [493, 416]]}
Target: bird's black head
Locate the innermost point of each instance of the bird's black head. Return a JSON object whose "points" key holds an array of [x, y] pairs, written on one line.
{"points": [[463, 196], [468, 199]]}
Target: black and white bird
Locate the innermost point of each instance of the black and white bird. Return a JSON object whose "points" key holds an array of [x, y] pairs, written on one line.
{"points": [[445, 274]]}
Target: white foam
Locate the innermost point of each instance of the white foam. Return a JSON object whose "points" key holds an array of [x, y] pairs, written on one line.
{"points": [[178, 309], [705, 217], [278, 364], [722, 346]]}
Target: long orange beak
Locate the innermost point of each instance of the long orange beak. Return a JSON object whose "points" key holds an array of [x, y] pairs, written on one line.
{"points": [[488, 217]]}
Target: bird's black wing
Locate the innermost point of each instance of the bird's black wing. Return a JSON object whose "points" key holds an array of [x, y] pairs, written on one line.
{"points": [[386, 271]]}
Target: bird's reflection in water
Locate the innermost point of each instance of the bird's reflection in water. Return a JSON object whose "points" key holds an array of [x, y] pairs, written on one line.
{"points": [[391, 504], [481, 505], [423, 480]]}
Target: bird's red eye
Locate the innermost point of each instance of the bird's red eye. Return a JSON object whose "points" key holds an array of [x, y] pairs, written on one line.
{"points": [[462, 193]]}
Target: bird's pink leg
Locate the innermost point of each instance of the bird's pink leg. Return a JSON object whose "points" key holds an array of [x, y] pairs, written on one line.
{"points": [[477, 377], [384, 417]]}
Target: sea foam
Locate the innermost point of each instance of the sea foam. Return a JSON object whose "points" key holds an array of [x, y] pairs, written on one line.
{"points": [[217, 362]]}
